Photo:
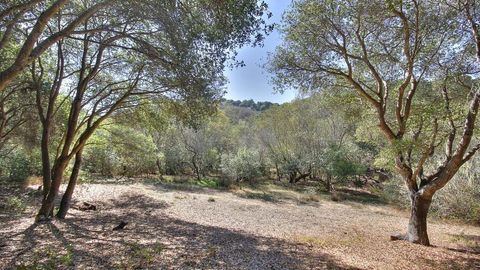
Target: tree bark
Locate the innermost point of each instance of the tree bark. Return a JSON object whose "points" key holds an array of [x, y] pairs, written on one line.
{"points": [[67, 196], [292, 176], [328, 183], [46, 210], [159, 167], [196, 169], [46, 170], [417, 226], [277, 171]]}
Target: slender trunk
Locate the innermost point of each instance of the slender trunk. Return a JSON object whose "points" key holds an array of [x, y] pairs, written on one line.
{"points": [[277, 171], [195, 167], [328, 184], [46, 210], [46, 170], [159, 167], [292, 177], [417, 226], [67, 196]]}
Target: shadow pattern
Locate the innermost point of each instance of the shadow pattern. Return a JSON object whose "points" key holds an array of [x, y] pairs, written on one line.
{"points": [[151, 240]]}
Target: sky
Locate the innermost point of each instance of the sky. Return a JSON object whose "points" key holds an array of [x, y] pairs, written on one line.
{"points": [[253, 81]]}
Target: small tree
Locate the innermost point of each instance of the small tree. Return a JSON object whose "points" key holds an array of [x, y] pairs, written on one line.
{"points": [[338, 164]]}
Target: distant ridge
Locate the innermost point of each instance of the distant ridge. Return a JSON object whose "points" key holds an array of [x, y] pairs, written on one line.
{"points": [[259, 106]]}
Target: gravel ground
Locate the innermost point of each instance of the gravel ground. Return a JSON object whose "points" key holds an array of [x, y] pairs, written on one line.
{"points": [[171, 228]]}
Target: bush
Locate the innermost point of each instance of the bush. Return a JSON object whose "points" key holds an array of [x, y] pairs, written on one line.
{"points": [[394, 192], [243, 165], [98, 159], [19, 165], [460, 199], [339, 162], [121, 151], [14, 204]]}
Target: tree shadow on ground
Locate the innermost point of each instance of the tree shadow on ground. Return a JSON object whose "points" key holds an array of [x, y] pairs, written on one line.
{"points": [[260, 195], [470, 243], [359, 196], [154, 240]]}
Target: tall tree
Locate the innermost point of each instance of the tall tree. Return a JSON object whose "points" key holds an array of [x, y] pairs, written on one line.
{"points": [[170, 49], [406, 59]]}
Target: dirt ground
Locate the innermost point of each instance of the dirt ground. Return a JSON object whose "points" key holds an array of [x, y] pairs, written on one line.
{"points": [[198, 228]]}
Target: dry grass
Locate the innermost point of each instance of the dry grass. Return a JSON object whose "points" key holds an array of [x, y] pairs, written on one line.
{"points": [[275, 228]]}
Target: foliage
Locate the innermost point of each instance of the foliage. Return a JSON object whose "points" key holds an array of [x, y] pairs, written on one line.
{"points": [[14, 204], [339, 162], [256, 106], [19, 164], [245, 164], [121, 150]]}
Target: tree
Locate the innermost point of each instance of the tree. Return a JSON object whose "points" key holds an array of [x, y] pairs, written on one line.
{"points": [[145, 54], [297, 136], [245, 164], [398, 57], [15, 21]]}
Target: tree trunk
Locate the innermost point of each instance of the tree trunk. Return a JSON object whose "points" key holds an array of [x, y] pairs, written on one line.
{"points": [[417, 226], [46, 170], [67, 196], [195, 167], [328, 183], [46, 210], [159, 167], [292, 177], [277, 171]]}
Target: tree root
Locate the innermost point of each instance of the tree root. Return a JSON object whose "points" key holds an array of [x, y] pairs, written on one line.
{"points": [[398, 237]]}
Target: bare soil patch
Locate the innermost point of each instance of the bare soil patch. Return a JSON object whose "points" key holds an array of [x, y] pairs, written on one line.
{"points": [[200, 228]]}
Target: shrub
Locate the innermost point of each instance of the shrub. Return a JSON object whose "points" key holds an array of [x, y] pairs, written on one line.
{"points": [[460, 199], [243, 165], [19, 165], [339, 162], [14, 204], [121, 151], [394, 192]]}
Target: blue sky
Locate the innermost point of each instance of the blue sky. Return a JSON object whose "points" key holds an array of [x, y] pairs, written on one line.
{"points": [[252, 81]]}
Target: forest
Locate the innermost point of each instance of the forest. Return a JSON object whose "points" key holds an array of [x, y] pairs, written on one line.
{"points": [[121, 149]]}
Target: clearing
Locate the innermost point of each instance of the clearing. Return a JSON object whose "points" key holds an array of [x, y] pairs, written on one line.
{"points": [[180, 227]]}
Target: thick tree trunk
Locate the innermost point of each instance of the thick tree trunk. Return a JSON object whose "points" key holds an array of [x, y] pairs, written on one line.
{"points": [[67, 196], [417, 226]]}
